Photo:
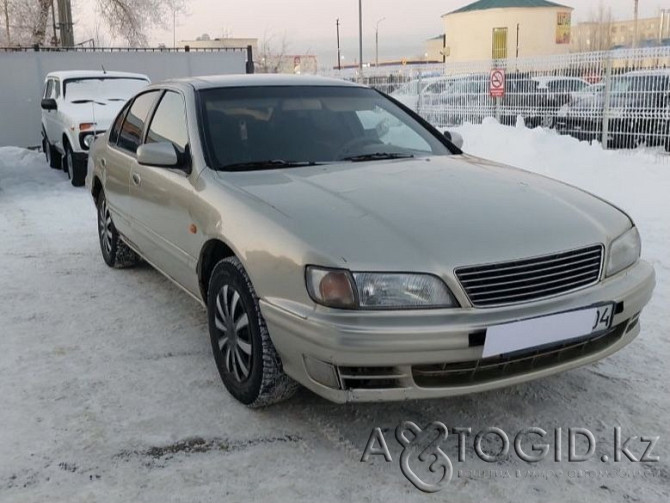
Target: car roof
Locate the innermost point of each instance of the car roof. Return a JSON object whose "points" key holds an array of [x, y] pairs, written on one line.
{"points": [[259, 80], [554, 78], [81, 74], [661, 72]]}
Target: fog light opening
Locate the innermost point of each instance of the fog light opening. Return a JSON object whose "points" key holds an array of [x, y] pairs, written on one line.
{"points": [[322, 372]]}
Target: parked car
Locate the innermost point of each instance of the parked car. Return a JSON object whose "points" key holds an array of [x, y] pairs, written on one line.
{"points": [[559, 89], [524, 98], [365, 263], [459, 99], [77, 106], [410, 93], [638, 112], [591, 91]]}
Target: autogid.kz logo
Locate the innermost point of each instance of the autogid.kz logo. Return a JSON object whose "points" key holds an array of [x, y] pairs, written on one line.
{"points": [[425, 463], [422, 445]]}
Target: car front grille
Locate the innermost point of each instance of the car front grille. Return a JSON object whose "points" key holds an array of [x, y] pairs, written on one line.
{"points": [[495, 368], [531, 279]]}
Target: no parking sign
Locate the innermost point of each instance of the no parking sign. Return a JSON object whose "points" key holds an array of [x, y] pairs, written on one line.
{"points": [[497, 88]]}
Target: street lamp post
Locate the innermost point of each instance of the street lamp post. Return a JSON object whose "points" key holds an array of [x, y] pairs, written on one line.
{"points": [[360, 38], [377, 42], [635, 30], [339, 53]]}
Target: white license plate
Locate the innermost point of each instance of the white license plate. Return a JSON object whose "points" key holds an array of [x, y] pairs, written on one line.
{"points": [[535, 332]]}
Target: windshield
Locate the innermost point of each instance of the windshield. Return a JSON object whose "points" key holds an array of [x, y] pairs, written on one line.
{"points": [[308, 124], [102, 89]]}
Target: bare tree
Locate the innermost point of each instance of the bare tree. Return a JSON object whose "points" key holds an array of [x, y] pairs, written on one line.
{"points": [[596, 33], [26, 21], [7, 34], [271, 54], [129, 19], [40, 25]]}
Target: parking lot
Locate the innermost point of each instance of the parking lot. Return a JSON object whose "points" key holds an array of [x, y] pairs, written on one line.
{"points": [[111, 393]]}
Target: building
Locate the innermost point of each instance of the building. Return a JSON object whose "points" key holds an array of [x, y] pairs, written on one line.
{"points": [[299, 64], [500, 29], [434, 49], [605, 34]]}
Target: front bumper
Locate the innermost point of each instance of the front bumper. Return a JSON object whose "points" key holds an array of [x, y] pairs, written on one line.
{"points": [[382, 355]]}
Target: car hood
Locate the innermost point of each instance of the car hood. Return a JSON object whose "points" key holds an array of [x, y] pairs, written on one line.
{"points": [[430, 213], [102, 113]]}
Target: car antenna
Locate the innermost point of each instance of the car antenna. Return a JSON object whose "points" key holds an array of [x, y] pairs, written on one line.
{"points": [[103, 69]]}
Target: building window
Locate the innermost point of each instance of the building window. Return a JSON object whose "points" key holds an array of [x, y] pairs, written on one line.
{"points": [[499, 43]]}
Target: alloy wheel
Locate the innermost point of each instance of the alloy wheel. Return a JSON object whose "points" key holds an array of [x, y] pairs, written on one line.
{"points": [[234, 337], [105, 227]]}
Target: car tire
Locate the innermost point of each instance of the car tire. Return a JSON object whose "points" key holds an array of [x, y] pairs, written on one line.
{"points": [[247, 361], [76, 170], [115, 252], [51, 154]]}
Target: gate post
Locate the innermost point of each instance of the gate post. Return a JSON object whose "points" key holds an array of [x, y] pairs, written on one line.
{"points": [[250, 59], [606, 104]]}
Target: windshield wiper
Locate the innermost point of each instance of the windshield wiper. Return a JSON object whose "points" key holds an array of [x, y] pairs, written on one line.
{"points": [[271, 164], [81, 102], [377, 157]]}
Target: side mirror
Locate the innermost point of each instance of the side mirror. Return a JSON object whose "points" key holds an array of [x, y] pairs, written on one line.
{"points": [[49, 104], [162, 155], [454, 138]]}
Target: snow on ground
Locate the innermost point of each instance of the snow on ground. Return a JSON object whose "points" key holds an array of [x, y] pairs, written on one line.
{"points": [[109, 391]]}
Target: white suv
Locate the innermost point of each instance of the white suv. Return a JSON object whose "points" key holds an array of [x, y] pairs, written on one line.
{"points": [[77, 106]]}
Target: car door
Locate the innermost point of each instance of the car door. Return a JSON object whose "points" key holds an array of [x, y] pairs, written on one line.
{"points": [[50, 116], [118, 159], [161, 197]]}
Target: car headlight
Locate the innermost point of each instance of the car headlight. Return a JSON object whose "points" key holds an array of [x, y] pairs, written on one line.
{"points": [[624, 251], [364, 290], [88, 140]]}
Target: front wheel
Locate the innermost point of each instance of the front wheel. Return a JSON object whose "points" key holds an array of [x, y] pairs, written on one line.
{"points": [[115, 252], [247, 361]]}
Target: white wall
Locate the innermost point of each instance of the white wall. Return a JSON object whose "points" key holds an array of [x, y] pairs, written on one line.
{"points": [[22, 79]]}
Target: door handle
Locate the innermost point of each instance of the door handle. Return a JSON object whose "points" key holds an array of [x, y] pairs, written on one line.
{"points": [[103, 162], [137, 180]]}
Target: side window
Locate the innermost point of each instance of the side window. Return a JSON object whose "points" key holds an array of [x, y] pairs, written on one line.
{"points": [[48, 90], [169, 122], [381, 125], [116, 127], [130, 135], [56, 93]]}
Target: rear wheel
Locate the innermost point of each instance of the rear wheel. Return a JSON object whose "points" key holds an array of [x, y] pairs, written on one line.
{"points": [[114, 251], [50, 153], [75, 169], [246, 359]]}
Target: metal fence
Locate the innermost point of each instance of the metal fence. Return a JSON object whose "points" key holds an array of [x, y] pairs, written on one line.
{"points": [[620, 98]]}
